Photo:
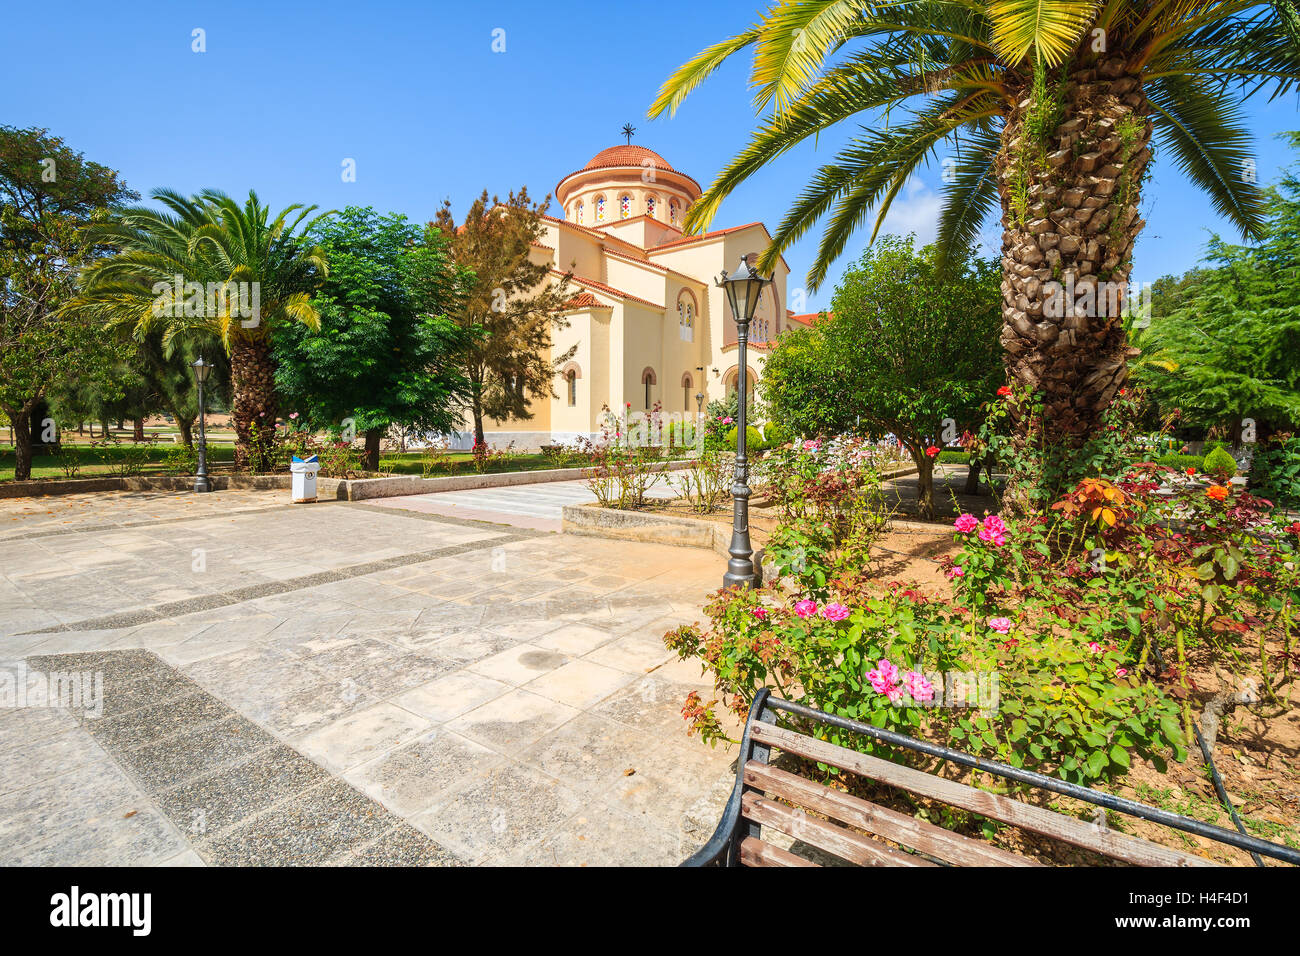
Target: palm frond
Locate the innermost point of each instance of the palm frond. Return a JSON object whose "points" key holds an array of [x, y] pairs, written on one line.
{"points": [[1049, 29], [1208, 141]]}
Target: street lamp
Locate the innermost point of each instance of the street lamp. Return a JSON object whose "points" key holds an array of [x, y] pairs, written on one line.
{"points": [[743, 288], [201, 480]]}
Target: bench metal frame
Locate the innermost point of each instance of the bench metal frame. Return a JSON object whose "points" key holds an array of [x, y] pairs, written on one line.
{"points": [[723, 848]]}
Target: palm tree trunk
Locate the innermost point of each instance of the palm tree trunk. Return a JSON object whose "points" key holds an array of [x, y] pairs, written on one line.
{"points": [[253, 408], [1070, 173]]}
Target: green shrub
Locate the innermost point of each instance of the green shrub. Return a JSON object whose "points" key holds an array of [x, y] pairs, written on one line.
{"points": [[181, 460], [952, 457], [753, 439], [776, 435], [1181, 462], [1220, 464], [1275, 473]]}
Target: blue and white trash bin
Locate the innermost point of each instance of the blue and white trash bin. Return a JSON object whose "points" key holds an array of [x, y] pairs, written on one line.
{"points": [[304, 478]]}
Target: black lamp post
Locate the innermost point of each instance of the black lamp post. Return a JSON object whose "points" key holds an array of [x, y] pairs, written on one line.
{"points": [[743, 287], [201, 480]]}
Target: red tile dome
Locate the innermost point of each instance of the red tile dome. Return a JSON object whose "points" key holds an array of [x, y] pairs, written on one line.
{"points": [[626, 156]]}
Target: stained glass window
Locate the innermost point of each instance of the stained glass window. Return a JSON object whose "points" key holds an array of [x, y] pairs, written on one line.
{"points": [[650, 206], [672, 212], [600, 208], [624, 207], [577, 212]]}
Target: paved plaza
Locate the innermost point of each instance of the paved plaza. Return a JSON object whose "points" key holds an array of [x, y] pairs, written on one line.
{"points": [[536, 506], [343, 683]]}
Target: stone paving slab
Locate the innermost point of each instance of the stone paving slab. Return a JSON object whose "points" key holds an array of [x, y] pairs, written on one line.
{"points": [[538, 506], [241, 797]]}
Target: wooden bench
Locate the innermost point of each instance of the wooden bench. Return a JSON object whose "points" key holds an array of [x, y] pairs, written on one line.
{"points": [[851, 829]]}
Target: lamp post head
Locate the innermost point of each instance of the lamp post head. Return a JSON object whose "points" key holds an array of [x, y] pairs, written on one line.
{"points": [[699, 401], [743, 287], [201, 370]]}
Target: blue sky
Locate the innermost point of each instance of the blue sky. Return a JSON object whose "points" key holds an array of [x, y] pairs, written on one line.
{"points": [[414, 93]]}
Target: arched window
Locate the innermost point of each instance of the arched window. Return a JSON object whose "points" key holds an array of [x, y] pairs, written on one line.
{"points": [[686, 316], [571, 373], [731, 379], [648, 380], [650, 203], [687, 385], [624, 206], [577, 212], [672, 212], [600, 208]]}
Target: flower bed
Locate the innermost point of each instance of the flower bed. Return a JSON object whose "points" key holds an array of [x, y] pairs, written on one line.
{"points": [[1087, 640]]}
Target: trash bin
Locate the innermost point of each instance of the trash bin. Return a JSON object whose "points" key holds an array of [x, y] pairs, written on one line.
{"points": [[304, 478]]}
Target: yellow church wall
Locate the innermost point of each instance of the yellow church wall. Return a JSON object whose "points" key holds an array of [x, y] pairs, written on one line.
{"points": [[635, 279], [574, 418], [575, 251]]}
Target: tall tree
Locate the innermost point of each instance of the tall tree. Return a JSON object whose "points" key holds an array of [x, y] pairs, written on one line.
{"points": [[1046, 111], [911, 348], [376, 358], [1226, 347], [212, 269], [510, 304], [49, 193]]}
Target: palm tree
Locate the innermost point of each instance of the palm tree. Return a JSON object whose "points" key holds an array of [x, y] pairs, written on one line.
{"points": [[211, 269], [1047, 109]]}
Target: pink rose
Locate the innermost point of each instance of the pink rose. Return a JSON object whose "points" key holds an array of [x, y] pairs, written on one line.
{"points": [[1000, 624], [834, 612], [1121, 671], [955, 571], [994, 531], [1094, 647], [760, 613], [918, 686], [727, 420], [966, 524], [883, 678], [806, 608]]}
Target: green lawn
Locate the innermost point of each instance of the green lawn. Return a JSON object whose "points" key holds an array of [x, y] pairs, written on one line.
{"points": [[93, 461], [462, 463]]}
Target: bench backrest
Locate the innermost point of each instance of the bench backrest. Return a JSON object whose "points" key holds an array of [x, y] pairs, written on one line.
{"points": [[855, 830]]}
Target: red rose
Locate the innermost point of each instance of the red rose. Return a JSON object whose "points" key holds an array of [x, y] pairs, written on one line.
{"points": [[1004, 390], [932, 451]]}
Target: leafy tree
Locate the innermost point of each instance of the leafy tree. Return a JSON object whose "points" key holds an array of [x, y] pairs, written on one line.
{"points": [[49, 193], [218, 252], [1225, 349], [1044, 111], [376, 358], [911, 341], [510, 303]]}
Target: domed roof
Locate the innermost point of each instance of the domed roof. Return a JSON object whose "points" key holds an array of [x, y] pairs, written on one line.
{"points": [[627, 156]]}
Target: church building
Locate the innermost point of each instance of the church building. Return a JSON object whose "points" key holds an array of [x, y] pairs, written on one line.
{"points": [[649, 323]]}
